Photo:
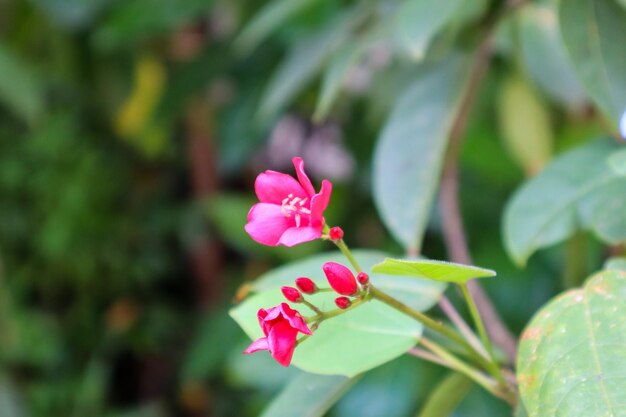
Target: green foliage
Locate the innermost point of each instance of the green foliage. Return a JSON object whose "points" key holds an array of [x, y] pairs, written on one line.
{"points": [[434, 270], [411, 147], [20, 88], [576, 191], [572, 353], [447, 396]]}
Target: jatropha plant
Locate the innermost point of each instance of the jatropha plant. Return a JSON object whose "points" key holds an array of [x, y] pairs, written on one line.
{"points": [[291, 212]]}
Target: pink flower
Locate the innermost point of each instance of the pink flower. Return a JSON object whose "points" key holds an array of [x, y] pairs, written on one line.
{"points": [[289, 211], [280, 325]]}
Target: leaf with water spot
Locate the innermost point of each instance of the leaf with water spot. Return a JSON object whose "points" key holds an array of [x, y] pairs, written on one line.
{"points": [[572, 357]]}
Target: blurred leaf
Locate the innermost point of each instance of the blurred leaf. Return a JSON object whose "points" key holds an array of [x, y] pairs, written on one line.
{"points": [[617, 161], [589, 29], [545, 56], [272, 15], [576, 191], [446, 396], [135, 20], [134, 119], [411, 147], [308, 395], [21, 89], [10, 404], [391, 390], [334, 77], [479, 402], [571, 356], [149, 410], [304, 61], [381, 332], [616, 264], [525, 124], [72, 13], [434, 270], [418, 21]]}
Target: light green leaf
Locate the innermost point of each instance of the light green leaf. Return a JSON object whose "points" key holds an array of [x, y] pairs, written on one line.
{"points": [[525, 124], [616, 263], [418, 21], [72, 13], [20, 88], [578, 190], [545, 56], [591, 30], [308, 395], [446, 396], [381, 332], [271, 16], [334, 76], [617, 161], [410, 150], [10, 403], [435, 270], [572, 357], [303, 62]]}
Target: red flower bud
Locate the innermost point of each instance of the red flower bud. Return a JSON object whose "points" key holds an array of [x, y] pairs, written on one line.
{"points": [[306, 285], [343, 302], [340, 278], [363, 278], [335, 233], [291, 294]]}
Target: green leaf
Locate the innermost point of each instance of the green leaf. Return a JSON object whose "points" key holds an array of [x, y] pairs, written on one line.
{"points": [[617, 161], [381, 332], [545, 56], [435, 270], [572, 357], [72, 13], [334, 76], [616, 263], [410, 150], [590, 29], [303, 62], [273, 15], [308, 395], [20, 88], [578, 190], [10, 404], [418, 21], [446, 396], [525, 124]]}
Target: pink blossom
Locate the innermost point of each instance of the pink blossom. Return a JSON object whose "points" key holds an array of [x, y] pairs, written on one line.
{"points": [[289, 211], [281, 325], [340, 278]]}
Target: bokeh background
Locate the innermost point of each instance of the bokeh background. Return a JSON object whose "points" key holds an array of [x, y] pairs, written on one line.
{"points": [[130, 136]]}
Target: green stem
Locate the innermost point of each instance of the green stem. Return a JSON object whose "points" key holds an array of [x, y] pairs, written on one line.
{"points": [[467, 370], [344, 249], [430, 323], [494, 369]]}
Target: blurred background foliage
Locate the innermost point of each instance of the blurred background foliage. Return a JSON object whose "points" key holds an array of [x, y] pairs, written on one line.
{"points": [[130, 135]]}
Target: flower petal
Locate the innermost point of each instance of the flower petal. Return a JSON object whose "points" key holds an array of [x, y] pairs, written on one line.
{"points": [[273, 187], [266, 223], [319, 202], [305, 182], [296, 235], [259, 344], [282, 342]]}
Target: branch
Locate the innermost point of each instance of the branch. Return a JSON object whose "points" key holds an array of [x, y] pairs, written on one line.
{"points": [[453, 228]]}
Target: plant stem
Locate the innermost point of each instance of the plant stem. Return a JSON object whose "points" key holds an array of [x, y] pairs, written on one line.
{"points": [[430, 323], [448, 308], [458, 365], [344, 249], [494, 368]]}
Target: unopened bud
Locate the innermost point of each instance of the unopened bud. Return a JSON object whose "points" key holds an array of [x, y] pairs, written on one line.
{"points": [[306, 285], [363, 278], [340, 278], [335, 233], [343, 302], [292, 294]]}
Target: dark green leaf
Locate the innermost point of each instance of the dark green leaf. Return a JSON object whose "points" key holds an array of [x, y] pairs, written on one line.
{"points": [[590, 30], [446, 396], [572, 354], [410, 150], [578, 190], [20, 88]]}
